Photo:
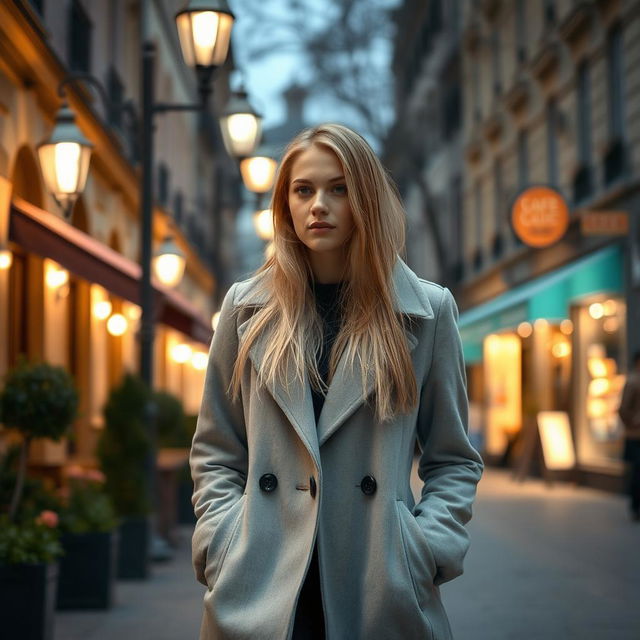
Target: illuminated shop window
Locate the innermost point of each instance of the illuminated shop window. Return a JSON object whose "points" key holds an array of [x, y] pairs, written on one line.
{"points": [[601, 376]]}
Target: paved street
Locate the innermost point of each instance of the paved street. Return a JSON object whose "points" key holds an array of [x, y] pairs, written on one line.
{"points": [[558, 563], [547, 564]]}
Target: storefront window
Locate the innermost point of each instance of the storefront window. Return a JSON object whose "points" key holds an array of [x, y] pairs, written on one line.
{"points": [[502, 376], [600, 363]]}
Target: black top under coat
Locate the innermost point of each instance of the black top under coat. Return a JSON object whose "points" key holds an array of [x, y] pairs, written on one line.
{"points": [[328, 305]]}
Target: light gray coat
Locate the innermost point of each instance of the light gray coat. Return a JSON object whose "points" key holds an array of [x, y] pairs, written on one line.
{"points": [[381, 556]]}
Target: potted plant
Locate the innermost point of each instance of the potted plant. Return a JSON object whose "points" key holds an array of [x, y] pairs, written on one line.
{"points": [[38, 400], [88, 524], [123, 451], [174, 480]]}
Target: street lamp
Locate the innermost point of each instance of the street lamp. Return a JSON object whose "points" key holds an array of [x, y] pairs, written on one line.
{"points": [[241, 126], [169, 262], [64, 159], [263, 224], [204, 29], [258, 173]]}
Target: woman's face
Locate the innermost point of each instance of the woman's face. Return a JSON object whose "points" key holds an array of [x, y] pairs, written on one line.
{"points": [[319, 204]]}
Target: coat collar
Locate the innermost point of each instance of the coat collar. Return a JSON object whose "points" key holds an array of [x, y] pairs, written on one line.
{"points": [[346, 392]]}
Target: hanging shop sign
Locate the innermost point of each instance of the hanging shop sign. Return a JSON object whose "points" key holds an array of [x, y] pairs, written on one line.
{"points": [[540, 216], [604, 223]]}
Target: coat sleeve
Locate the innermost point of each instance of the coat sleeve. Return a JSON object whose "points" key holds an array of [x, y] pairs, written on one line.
{"points": [[449, 466], [219, 455]]}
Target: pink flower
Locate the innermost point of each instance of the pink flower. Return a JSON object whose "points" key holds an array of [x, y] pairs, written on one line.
{"points": [[48, 519], [75, 471], [95, 475]]}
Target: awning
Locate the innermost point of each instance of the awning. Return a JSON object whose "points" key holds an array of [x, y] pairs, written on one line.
{"points": [[548, 296], [40, 232]]}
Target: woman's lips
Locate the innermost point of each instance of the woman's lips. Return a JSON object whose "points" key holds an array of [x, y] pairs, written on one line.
{"points": [[320, 226]]}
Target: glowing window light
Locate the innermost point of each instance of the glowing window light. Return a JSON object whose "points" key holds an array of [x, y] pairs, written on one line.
{"points": [[566, 326], [134, 311], [181, 353], [6, 259], [561, 349], [525, 329], [102, 309], [117, 324], [599, 387], [214, 320], [199, 360], [596, 310], [610, 307], [56, 277]]}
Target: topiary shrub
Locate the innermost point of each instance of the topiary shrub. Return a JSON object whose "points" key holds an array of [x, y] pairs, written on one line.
{"points": [[170, 421], [40, 401], [124, 447]]}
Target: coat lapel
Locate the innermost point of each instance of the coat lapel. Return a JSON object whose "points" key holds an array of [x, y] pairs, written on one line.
{"points": [[294, 398], [346, 392]]}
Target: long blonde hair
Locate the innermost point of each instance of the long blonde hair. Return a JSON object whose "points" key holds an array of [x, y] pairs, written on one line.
{"points": [[372, 330]]}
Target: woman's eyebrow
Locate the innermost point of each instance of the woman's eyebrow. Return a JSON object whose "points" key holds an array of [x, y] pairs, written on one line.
{"points": [[307, 181]]}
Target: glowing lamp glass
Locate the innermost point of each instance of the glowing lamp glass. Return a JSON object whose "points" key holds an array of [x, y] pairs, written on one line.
{"points": [[263, 224], [169, 263], [205, 32], [258, 173]]}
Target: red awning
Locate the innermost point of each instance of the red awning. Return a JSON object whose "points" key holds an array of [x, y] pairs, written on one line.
{"points": [[40, 232]]}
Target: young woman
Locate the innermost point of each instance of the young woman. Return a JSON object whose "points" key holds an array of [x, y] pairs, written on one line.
{"points": [[326, 369]]}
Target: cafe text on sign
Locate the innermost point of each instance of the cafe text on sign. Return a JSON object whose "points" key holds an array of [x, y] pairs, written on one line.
{"points": [[540, 216]]}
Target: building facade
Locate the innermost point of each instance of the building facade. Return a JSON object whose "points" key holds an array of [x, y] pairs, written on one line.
{"points": [[548, 95], [69, 276]]}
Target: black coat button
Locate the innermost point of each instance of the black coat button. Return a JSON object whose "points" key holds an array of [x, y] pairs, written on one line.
{"points": [[312, 486], [368, 485], [268, 482]]}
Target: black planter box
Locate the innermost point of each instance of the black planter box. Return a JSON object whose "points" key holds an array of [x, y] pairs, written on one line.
{"points": [[27, 600], [87, 570], [134, 537]]}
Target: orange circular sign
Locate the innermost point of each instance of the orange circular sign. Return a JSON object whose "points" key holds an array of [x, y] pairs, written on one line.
{"points": [[540, 216]]}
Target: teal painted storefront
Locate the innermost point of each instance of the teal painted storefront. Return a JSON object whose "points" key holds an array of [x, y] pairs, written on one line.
{"points": [[547, 296]]}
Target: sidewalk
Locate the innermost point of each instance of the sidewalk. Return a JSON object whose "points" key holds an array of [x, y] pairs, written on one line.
{"points": [[558, 563], [167, 606]]}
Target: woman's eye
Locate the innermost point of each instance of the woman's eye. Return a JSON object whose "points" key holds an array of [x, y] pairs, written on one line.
{"points": [[302, 190], [340, 189]]}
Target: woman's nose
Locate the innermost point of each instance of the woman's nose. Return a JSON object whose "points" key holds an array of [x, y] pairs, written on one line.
{"points": [[319, 204]]}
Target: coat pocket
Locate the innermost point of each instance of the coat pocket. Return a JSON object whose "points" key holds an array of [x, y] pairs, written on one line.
{"points": [[420, 560], [221, 540]]}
